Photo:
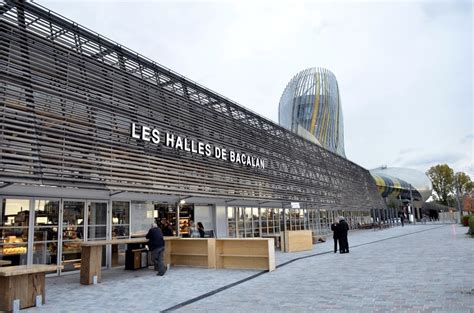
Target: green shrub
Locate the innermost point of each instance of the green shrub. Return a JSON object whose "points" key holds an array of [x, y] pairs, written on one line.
{"points": [[471, 225], [465, 220]]}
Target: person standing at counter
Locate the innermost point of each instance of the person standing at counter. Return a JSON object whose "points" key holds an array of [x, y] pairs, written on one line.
{"points": [[156, 245], [167, 230], [200, 229], [193, 233]]}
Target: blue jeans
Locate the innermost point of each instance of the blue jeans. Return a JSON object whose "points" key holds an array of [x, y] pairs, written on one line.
{"points": [[157, 257]]}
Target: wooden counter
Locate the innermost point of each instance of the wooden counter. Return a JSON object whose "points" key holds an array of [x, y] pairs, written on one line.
{"points": [[5, 262], [91, 257], [113, 242], [198, 252], [245, 253], [23, 283], [297, 240]]}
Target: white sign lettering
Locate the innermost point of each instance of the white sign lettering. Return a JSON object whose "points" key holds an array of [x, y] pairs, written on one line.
{"points": [[182, 143]]}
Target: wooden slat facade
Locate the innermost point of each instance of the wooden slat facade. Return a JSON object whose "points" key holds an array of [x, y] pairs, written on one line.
{"points": [[68, 99]]}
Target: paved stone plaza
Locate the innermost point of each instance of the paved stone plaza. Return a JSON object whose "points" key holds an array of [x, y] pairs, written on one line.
{"points": [[417, 268]]}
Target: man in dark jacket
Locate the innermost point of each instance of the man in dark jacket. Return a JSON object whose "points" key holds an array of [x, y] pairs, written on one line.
{"points": [[166, 229], [156, 245], [343, 243], [336, 230]]}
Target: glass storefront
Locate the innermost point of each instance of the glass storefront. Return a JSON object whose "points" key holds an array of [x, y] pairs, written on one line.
{"points": [[165, 212], [73, 233], [46, 232], [120, 230], [14, 230], [256, 222], [50, 231]]}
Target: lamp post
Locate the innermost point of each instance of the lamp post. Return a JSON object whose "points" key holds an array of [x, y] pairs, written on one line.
{"points": [[458, 202], [411, 206]]}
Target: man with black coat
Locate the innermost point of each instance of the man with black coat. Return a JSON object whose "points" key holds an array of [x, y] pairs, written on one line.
{"points": [[336, 233], [156, 245], [343, 229]]}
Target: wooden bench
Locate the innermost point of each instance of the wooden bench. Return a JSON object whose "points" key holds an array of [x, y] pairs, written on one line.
{"points": [[23, 286]]}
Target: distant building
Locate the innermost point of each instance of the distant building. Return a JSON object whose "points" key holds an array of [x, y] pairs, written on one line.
{"points": [[402, 183], [310, 106]]}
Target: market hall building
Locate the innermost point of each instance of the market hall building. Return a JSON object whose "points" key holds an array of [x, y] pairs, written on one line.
{"points": [[98, 141]]}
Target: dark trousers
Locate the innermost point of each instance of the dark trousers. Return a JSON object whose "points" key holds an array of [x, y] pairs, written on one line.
{"points": [[335, 245], [157, 257], [343, 245]]}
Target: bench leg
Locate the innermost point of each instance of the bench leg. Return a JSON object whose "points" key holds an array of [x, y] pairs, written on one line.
{"points": [[39, 300], [16, 306], [91, 262]]}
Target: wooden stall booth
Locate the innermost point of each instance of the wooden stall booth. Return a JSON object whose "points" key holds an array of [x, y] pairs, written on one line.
{"points": [[245, 253], [297, 240], [195, 252], [91, 258]]}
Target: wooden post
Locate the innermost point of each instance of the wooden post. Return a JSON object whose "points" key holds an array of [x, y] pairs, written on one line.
{"points": [[91, 264]]}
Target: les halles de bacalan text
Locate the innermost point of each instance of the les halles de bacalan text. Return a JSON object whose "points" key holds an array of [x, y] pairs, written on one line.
{"points": [[153, 135]]}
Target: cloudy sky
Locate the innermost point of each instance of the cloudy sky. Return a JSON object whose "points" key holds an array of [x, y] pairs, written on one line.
{"points": [[405, 69]]}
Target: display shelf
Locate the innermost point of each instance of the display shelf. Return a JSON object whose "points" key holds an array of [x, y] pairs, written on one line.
{"points": [[183, 225], [245, 253], [198, 252], [190, 254]]}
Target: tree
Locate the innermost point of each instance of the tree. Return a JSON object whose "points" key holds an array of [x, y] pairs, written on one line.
{"points": [[442, 178], [463, 184]]}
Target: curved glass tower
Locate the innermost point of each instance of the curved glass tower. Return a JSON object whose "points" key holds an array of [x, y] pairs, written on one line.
{"points": [[310, 106]]}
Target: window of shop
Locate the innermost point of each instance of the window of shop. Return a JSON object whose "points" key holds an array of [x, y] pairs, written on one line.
{"points": [[165, 212], [295, 219], [14, 227], [231, 222], [73, 234], [120, 230], [120, 219], [46, 232], [271, 221]]}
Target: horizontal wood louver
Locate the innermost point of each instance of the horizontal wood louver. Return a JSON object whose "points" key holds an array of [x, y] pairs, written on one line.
{"points": [[68, 98]]}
